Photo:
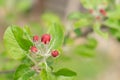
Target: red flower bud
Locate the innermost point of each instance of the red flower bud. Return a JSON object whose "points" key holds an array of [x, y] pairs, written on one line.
{"points": [[103, 12], [33, 49], [55, 53], [35, 38], [45, 38]]}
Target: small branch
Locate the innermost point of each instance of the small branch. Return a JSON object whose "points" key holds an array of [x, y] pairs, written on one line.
{"points": [[88, 31], [7, 72], [31, 59]]}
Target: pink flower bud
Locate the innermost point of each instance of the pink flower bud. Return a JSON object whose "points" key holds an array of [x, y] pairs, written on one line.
{"points": [[45, 38], [35, 38], [34, 49], [103, 12], [55, 53]]}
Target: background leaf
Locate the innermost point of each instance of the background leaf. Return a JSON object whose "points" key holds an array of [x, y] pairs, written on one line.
{"points": [[78, 32], [97, 29], [77, 15], [112, 23], [23, 5], [91, 43], [81, 23], [84, 51], [50, 18]]}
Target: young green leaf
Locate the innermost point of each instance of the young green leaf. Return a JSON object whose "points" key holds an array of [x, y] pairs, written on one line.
{"points": [[91, 3], [87, 4], [65, 72], [47, 75], [12, 47], [84, 50], [91, 43], [23, 72], [44, 75], [77, 15], [56, 31], [114, 14], [16, 43], [114, 27], [114, 24], [27, 31], [23, 5], [21, 38], [49, 19], [2, 3], [97, 29], [81, 23], [78, 32]]}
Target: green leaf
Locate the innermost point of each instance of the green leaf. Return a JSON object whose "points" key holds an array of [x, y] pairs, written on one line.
{"points": [[27, 31], [2, 3], [114, 27], [12, 47], [91, 43], [50, 18], [97, 29], [77, 15], [81, 23], [114, 14], [87, 4], [84, 50], [27, 61], [28, 34], [16, 42], [44, 75], [23, 72], [56, 30], [112, 23], [92, 3], [65, 72], [21, 38], [47, 75], [78, 32], [23, 5], [36, 28]]}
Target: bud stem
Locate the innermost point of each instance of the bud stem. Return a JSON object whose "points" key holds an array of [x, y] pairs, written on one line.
{"points": [[31, 59]]}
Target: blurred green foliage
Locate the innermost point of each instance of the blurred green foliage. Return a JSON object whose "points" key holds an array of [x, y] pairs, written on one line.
{"points": [[87, 68], [85, 19], [83, 59]]}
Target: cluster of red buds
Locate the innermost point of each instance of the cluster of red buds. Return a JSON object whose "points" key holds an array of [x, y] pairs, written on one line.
{"points": [[99, 13], [41, 46]]}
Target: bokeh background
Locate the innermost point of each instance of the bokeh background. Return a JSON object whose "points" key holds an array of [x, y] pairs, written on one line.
{"points": [[104, 65]]}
